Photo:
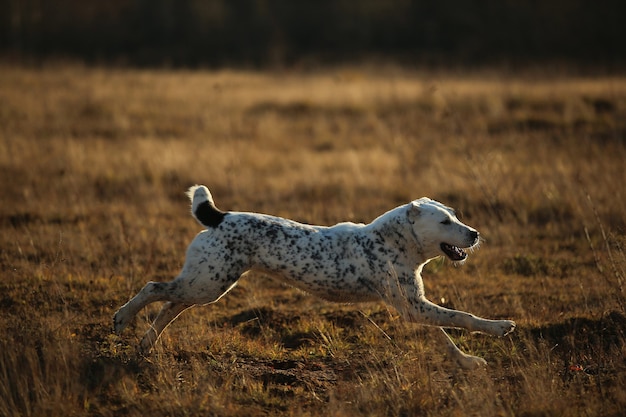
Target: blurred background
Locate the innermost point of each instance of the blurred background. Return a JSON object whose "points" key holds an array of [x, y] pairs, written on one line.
{"points": [[277, 33], [512, 112]]}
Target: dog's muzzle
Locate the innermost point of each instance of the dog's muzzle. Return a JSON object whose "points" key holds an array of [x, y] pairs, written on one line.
{"points": [[456, 253], [453, 252]]}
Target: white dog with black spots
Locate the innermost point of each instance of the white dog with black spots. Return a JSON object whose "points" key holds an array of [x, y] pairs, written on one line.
{"points": [[348, 262]]}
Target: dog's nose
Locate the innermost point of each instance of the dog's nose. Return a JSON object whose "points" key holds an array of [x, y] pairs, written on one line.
{"points": [[474, 235]]}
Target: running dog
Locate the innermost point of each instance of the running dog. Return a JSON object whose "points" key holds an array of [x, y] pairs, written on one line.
{"points": [[348, 262]]}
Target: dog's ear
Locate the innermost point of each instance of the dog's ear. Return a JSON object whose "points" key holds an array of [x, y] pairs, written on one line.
{"points": [[414, 210]]}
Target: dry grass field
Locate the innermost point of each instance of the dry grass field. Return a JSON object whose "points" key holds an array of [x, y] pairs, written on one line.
{"points": [[93, 168]]}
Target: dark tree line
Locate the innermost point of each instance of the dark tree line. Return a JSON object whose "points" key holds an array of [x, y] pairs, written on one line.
{"points": [[267, 32]]}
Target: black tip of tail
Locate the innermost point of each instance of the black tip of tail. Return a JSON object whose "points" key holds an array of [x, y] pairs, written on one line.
{"points": [[209, 215]]}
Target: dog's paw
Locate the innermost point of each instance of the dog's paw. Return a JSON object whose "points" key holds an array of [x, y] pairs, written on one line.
{"points": [[471, 362], [147, 342], [505, 327], [120, 321]]}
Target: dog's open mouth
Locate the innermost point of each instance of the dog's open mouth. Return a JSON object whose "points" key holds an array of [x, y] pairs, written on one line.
{"points": [[453, 252]]}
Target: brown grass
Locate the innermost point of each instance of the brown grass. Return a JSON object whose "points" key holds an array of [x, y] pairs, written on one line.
{"points": [[93, 166]]}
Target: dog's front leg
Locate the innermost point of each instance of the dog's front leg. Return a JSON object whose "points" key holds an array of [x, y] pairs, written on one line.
{"points": [[419, 310]]}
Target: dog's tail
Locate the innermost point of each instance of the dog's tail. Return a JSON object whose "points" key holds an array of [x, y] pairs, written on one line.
{"points": [[203, 208]]}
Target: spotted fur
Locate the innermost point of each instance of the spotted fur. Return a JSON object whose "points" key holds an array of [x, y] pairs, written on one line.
{"points": [[348, 262]]}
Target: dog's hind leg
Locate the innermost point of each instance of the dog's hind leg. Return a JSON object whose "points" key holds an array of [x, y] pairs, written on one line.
{"points": [[466, 361], [168, 313], [151, 292]]}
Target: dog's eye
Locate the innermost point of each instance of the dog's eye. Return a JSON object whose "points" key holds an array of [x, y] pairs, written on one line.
{"points": [[446, 221]]}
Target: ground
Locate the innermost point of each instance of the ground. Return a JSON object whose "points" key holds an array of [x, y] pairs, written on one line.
{"points": [[94, 164]]}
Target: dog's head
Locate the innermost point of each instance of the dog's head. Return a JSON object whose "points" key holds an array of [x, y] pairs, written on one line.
{"points": [[438, 232]]}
